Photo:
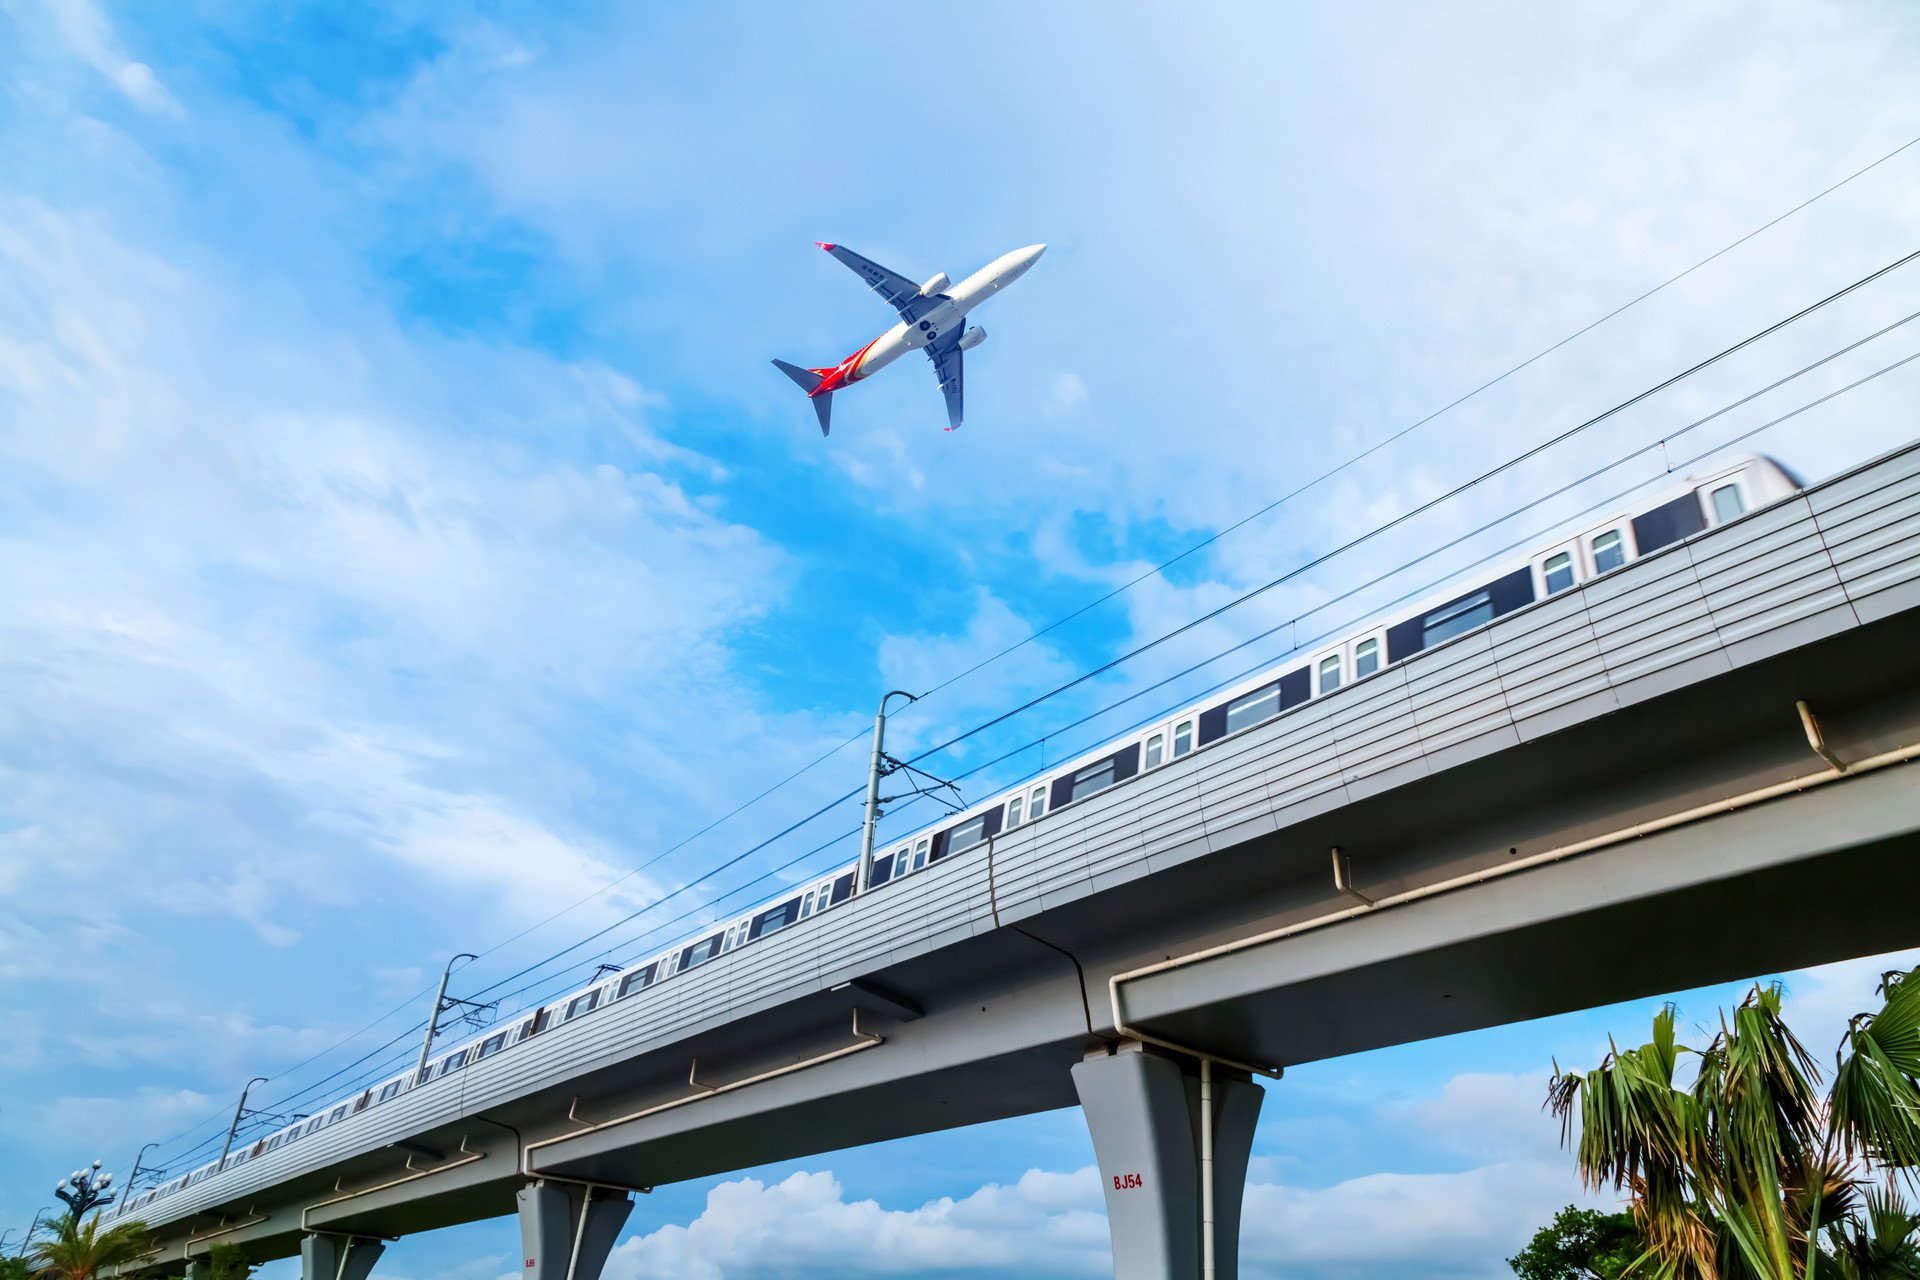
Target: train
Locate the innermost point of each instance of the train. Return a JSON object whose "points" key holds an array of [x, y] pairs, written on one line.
{"points": [[1660, 518]]}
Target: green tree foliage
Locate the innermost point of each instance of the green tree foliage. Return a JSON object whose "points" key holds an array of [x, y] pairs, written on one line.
{"points": [[80, 1251], [228, 1261], [15, 1269], [1747, 1173], [1580, 1244], [1882, 1243]]}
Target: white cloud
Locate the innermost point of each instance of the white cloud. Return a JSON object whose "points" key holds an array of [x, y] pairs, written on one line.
{"points": [[1068, 392], [90, 35], [1052, 1224], [1046, 1224]]}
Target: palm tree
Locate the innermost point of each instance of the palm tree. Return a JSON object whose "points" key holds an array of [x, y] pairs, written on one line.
{"points": [[1881, 1244], [80, 1251], [1742, 1173]]}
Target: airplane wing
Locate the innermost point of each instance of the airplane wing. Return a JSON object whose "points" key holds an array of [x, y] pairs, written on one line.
{"points": [[949, 367], [902, 294]]}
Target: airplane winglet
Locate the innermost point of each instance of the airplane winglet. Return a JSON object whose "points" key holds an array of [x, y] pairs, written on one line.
{"points": [[828, 247]]}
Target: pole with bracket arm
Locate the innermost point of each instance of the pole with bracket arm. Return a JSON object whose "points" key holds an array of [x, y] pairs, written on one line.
{"points": [[234, 1128], [876, 770], [439, 1007]]}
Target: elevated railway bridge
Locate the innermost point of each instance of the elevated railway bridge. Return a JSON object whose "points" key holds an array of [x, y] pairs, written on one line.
{"points": [[1713, 734]]}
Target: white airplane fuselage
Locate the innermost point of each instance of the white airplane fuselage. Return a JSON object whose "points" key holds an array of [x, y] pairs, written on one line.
{"points": [[949, 315]]}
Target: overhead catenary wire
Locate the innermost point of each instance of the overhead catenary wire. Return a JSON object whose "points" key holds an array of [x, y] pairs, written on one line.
{"points": [[1458, 540], [1247, 596], [1285, 498], [1644, 450], [1163, 566]]}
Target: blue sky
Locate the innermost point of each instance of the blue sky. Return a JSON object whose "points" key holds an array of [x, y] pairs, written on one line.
{"points": [[403, 536]]}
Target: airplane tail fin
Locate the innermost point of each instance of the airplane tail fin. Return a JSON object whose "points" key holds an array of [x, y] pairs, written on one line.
{"points": [[807, 380]]}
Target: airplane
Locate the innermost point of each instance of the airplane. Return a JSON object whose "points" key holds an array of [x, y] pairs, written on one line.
{"points": [[932, 318]]}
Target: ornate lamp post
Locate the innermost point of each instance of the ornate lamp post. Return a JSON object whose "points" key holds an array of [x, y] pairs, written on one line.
{"points": [[85, 1191]]}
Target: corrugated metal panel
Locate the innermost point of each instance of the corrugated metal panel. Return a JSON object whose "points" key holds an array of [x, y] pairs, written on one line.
{"points": [[1769, 583], [1868, 520], [1551, 671], [1653, 627]]}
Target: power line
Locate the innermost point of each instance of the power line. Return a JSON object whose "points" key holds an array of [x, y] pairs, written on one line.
{"points": [[1184, 628], [1611, 498], [1269, 507], [1130, 584], [1430, 554]]}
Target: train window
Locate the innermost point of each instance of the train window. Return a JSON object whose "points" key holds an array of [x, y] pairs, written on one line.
{"points": [[1609, 553], [1182, 738], [1156, 748], [392, 1088], [1327, 674], [1727, 503], [315, 1123], [967, 834], [1457, 618], [1097, 777], [336, 1114], [637, 980], [273, 1142], [842, 889], [1036, 803], [1252, 708], [806, 905], [454, 1062], [699, 953], [774, 919], [577, 1005], [1366, 657], [1016, 808], [491, 1045], [1556, 572], [364, 1101], [920, 849], [733, 936]]}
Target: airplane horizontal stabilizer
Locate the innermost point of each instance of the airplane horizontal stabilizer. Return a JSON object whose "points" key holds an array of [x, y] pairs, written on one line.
{"points": [[807, 379]]}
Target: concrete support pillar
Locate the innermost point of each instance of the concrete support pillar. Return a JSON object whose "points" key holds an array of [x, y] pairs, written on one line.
{"points": [[567, 1230], [196, 1269], [331, 1257], [1143, 1110]]}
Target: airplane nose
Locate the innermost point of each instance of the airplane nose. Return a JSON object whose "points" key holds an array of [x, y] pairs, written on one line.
{"points": [[1031, 254]]}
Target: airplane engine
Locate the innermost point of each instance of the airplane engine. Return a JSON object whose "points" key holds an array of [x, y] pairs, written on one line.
{"points": [[936, 285], [972, 338]]}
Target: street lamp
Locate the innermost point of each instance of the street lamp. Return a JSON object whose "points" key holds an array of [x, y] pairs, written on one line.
{"points": [[85, 1190]]}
